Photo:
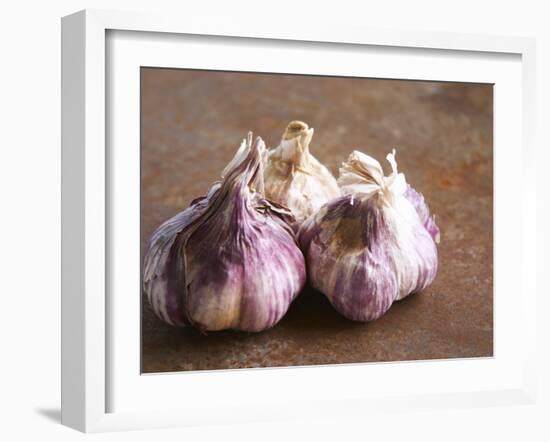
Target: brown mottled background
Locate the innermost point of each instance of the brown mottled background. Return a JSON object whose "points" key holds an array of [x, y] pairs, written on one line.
{"points": [[191, 124]]}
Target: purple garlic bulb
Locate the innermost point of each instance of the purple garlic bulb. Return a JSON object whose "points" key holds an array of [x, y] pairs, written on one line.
{"points": [[230, 260], [372, 246]]}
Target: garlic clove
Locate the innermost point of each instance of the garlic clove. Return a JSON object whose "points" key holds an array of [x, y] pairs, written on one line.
{"points": [[230, 260], [370, 247], [296, 179]]}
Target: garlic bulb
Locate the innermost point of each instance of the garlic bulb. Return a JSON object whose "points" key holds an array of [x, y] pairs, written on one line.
{"points": [[230, 260], [295, 178], [372, 246]]}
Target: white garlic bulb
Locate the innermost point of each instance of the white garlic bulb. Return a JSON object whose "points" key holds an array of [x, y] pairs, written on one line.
{"points": [[296, 179]]}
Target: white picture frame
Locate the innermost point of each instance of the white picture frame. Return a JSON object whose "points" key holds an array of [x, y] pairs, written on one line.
{"points": [[87, 207]]}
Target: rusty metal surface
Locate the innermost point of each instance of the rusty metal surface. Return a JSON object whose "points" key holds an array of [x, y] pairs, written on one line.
{"points": [[193, 121]]}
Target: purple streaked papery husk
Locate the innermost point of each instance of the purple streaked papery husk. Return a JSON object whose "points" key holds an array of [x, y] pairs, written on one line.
{"points": [[417, 200], [372, 246], [230, 260]]}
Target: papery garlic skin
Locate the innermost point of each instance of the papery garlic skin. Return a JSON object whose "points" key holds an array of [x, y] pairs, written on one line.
{"points": [[230, 260], [296, 179], [417, 200], [370, 247]]}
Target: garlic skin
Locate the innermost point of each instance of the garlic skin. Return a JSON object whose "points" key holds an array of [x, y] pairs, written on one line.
{"points": [[417, 200], [230, 260], [296, 179], [374, 245]]}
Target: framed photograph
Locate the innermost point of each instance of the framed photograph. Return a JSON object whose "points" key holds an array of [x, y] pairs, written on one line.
{"points": [[279, 223]]}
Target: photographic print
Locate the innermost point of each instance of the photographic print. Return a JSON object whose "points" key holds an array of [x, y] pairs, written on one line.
{"points": [[297, 220]]}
